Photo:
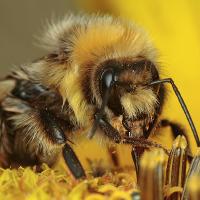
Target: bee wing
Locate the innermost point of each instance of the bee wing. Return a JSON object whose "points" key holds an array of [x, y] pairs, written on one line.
{"points": [[14, 105], [6, 86], [3, 143], [8, 102]]}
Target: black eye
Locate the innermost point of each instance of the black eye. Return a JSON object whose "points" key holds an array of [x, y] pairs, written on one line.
{"points": [[108, 78], [109, 94]]}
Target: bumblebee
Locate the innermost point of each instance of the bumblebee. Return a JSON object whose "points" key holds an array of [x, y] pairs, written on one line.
{"points": [[97, 69]]}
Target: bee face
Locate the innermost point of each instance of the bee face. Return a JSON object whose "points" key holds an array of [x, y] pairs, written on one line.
{"points": [[130, 96]]}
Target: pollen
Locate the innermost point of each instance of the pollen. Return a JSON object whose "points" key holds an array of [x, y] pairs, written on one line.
{"points": [[160, 177]]}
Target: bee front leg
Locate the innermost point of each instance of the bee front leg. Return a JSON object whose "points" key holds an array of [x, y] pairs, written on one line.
{"points": [[114, 135], [109, 130]]}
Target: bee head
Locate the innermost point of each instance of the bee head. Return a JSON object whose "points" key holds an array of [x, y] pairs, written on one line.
{"points": [[129, 93]]}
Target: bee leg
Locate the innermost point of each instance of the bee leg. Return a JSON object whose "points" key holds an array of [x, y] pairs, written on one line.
{"points": [[175, 128], [54, 131], [58, 136], [73, 162], [109, 130], [113, 155], [136, 154], [114, 135]]}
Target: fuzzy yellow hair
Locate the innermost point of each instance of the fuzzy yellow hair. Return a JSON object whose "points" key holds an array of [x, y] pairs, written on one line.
{"points": [[87, 42]]}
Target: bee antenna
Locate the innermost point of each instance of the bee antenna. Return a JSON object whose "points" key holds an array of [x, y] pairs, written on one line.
{"points": [[183, 105]]}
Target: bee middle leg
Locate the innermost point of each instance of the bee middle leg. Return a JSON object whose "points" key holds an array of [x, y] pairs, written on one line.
{"points": [[176, 130], [73, 162], [58, 136]]}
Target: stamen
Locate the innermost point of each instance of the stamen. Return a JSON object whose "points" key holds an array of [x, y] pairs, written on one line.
{"points": [[176, 166], [151, 178]]}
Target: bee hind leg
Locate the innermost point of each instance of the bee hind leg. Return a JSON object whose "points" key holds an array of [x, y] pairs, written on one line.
{"points": [[176, 130]]}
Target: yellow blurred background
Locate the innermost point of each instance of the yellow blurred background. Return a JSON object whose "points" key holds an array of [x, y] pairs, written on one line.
{"points": [[173, 25]]}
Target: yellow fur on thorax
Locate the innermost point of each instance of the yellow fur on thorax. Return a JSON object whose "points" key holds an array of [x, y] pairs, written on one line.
{"points": [[92, 43], [104, 41], [70, 89], [86, 45]]}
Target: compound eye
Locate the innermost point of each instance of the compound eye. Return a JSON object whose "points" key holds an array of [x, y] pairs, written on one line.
{"points": [[108, 78]]}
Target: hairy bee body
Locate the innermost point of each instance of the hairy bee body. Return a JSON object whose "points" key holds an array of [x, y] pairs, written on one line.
{"points": [[62, 91]]}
